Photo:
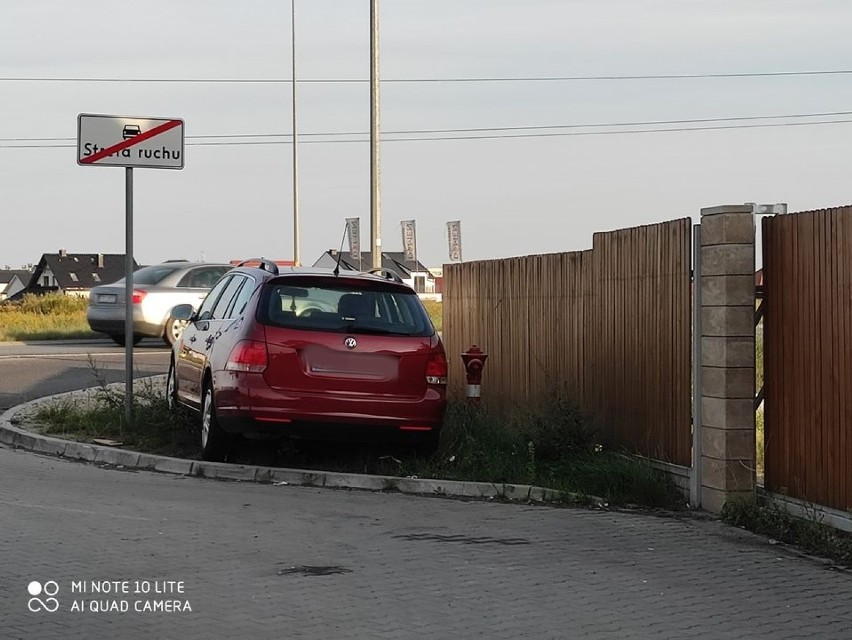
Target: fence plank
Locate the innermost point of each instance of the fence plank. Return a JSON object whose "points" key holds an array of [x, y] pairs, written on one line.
{"points": [[609, 327], [808, 355]]}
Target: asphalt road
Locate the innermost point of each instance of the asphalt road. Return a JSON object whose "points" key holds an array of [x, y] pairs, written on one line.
{"points": [[38, 369], [91, 553]]}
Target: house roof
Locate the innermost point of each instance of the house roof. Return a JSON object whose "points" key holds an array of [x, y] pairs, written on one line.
{"points": [[7, 275], [394, 260], [81, 271]]}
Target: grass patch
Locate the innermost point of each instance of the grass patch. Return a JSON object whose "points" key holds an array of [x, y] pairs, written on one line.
{"points": [[552, 447], [155, 429], [768, 517], [49, 317]]}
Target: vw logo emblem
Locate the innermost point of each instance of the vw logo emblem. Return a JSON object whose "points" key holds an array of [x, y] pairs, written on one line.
{"points": [[350, 343]]}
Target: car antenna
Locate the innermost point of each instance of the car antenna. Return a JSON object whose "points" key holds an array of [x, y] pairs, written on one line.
{"points": [[340, 253]]}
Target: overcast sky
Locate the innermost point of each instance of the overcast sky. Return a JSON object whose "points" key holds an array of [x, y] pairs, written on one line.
{"points": [[514, 197]]}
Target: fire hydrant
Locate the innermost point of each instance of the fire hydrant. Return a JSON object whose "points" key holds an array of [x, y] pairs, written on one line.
{"points": [[474, 360]]}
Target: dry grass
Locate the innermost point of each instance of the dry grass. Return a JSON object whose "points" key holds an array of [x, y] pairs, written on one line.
{"points": [[435, 310], [49, 317]]}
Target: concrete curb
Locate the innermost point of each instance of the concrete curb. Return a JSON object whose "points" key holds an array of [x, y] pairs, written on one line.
{"points": [[18, 438]]}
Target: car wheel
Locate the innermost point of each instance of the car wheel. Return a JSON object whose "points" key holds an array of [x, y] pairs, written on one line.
{"points": [[171, 387], [173, 331], [118, 338], [215, 443]]}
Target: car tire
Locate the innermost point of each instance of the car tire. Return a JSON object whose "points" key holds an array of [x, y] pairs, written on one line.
{"points": [[118, 338], [174, 329], [171, 386], [216, 444]]}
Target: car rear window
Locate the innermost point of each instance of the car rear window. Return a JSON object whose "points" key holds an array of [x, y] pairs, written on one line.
{"points": [[344, 307], [153, 274], [203, 277]]}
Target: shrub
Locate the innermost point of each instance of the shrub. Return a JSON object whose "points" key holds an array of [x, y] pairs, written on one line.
{"points": [[557, 430], [50, 303]]}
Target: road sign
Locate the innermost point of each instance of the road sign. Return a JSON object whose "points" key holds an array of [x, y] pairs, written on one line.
{"points": [[145, 143], [116, 141]]}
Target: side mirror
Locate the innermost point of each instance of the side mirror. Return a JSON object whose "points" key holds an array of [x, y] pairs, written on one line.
{"points": [[183, 312]]}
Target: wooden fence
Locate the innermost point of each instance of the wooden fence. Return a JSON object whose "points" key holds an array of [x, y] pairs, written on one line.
{"points": [[608, 328], [807, 271]]}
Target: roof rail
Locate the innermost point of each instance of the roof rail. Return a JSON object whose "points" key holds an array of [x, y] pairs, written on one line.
{"points": [[261, 263], [389, 274]]}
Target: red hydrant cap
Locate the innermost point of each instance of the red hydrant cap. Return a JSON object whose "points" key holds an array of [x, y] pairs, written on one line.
{"points": [[474, 353]]}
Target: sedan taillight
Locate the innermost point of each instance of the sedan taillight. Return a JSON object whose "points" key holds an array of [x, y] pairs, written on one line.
{"points": [[248, 355], [139, 295]]}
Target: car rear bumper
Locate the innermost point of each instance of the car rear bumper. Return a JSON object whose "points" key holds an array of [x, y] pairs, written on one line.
{"points": [[245, 403], [110, 322]]}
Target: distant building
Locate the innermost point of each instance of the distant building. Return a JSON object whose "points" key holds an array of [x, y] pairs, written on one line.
{"points": [[438, 274], [414, 274], [75, 273], [13, 281]]}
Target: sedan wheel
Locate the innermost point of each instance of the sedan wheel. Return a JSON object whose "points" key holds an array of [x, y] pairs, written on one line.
{"points": [[174, 330]]}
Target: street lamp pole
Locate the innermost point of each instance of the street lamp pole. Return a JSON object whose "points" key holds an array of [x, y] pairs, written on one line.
{"points": [[375, 164], [296, 247]]}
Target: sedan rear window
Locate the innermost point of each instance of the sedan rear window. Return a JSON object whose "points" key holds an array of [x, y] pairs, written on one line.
{"points": [[341, 308], [153, 274]]}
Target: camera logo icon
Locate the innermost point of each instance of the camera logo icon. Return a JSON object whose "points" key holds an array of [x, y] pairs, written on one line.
{"points": [[48, 603]]}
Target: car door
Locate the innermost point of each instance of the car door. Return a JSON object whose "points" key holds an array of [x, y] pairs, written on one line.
{"points": [[195, 343], [230, 332]]}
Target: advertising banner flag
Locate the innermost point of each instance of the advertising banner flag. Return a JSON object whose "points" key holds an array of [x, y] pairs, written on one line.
{"points": [[409, 240], [454, 237], [353, 229]]}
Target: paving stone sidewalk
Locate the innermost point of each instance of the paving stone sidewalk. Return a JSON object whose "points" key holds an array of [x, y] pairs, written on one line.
{"points": [[263, 561]]}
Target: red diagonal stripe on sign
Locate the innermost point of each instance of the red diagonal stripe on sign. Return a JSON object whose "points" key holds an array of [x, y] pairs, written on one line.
{"points": [[124, 144]]}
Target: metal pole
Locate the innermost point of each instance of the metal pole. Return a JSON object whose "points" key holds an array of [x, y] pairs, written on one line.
{"points": [[296, 233], [697, 419], [375, 188], [128, 298]]}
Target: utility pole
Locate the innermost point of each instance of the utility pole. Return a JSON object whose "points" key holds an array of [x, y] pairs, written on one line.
{"points": [[296, 248], [375, 163]]}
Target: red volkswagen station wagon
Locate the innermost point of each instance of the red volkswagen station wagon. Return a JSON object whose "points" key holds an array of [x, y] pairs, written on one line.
{"points": [[309, 353]]}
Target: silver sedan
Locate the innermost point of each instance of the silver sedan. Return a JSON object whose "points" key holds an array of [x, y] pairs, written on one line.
{"points": [[157, 289]]}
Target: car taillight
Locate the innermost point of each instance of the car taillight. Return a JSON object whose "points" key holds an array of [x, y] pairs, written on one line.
{"points": [[139, 295], [248, 355], [436, 368]]}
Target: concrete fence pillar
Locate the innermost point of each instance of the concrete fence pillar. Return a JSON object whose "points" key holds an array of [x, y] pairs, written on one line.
{"points": [[727, 355]]}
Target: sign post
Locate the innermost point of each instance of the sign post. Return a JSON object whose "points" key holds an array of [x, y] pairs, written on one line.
{"points": [[116, 141], [128, 296]]}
